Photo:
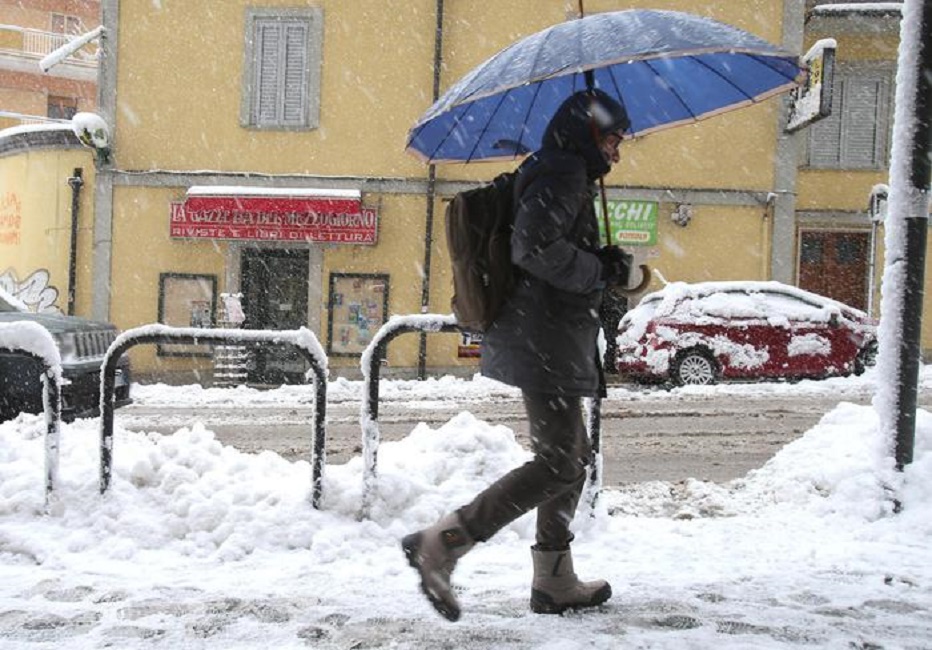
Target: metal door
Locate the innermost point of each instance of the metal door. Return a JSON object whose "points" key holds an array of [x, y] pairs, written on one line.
{"points": [[275, 289]]}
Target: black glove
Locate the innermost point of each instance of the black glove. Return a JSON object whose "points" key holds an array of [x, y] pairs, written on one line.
{"points": [[616, 265]]}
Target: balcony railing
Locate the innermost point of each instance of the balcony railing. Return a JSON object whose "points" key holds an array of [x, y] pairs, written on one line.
{"points": [[35, 44]]}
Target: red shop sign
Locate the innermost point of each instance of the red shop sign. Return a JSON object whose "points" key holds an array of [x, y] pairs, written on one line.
{"points": [[331, 220]]}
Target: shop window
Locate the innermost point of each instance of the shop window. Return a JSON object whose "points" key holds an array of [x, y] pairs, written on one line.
{"points": [[281, 85], [61, 108], [857, 133]]}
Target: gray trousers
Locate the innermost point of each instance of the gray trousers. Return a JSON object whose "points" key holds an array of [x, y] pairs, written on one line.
{"points": [[552, 481]]}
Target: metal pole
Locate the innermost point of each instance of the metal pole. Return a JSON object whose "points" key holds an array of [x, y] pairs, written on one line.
{"points": [[872, 269], [917, 218], [431, 194], [76, 182]]}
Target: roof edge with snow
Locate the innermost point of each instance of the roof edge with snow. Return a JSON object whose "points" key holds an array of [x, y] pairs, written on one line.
{"points": [[19, 139]]}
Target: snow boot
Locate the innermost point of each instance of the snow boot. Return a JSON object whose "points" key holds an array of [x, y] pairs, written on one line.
{"points": [[434, 552], [556, 588]]}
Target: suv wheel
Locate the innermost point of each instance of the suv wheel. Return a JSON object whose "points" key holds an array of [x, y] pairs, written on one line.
{"points": [[694, 367]]}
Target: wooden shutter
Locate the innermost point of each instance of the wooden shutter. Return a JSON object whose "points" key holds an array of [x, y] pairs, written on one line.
{"points": [[268, 38], [863, 141], [294, 109], [856, 134], [281, 73]]}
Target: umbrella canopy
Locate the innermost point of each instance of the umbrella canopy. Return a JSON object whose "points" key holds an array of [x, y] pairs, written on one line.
{"points": [[665, 67]]}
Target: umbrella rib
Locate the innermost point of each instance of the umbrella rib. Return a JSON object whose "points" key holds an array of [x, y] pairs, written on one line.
{"points": [[487, 123], [722, 77], [756, 58], [673, 90], [766, 62], [537, 54], [527, 115]]}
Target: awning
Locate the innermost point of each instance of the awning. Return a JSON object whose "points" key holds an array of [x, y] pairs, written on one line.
{"points": [[274, 214]]}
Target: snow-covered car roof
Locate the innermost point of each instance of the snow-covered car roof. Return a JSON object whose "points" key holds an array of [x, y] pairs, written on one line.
{"points": [[678, 291], [706, 302]]}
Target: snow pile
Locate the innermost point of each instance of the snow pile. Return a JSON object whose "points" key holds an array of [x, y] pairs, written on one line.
{"points": [[200, 545]]}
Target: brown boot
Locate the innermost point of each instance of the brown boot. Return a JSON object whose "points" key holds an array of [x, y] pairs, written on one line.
{"points": [[556, 588], [434, 552]]}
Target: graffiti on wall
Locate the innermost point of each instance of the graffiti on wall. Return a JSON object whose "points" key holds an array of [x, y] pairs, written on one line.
{"points": [[34, 291], [11, 219]]}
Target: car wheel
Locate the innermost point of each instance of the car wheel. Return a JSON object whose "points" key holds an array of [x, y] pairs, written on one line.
{"points": [[694, 367], [866, 358]]}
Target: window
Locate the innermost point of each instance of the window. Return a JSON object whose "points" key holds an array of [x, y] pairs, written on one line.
{"points": [[61, 108], [63, 24], [857, 133], [281, 85]]}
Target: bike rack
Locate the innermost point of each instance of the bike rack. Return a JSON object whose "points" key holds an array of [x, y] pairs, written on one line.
{"points": [[301, 339], [371, 363], [51, 396]]}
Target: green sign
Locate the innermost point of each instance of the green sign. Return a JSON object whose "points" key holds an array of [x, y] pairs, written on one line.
{"points": [[633, 223]]}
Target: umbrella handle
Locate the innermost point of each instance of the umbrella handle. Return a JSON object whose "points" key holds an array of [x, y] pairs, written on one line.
{"points": [[608, 230], [646, 277]]}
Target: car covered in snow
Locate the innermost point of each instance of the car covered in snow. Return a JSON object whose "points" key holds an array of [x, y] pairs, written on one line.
{"points": [[707, 332], [81, 344]]}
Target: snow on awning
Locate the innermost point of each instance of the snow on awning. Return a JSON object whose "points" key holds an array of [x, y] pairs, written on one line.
{"points": [[869, 8], [274, 214], [245, 190]]}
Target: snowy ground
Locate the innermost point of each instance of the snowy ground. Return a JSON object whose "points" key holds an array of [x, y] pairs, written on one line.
{"points": [[201, 546]]}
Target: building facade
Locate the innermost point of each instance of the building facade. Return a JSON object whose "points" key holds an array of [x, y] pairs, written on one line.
{"points": [[28, 32], [257, 149]]}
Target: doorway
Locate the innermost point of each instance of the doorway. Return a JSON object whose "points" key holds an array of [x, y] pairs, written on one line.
{"points": [[274, 284], [834, 264]]}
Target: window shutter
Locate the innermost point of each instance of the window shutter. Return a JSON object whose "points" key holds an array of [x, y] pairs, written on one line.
{"points": [[268, 37], [295, 78], [281, 72], [825, 135], [856, 134], [862, 123]]}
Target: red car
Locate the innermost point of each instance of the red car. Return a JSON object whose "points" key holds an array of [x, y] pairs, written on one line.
{"points": [[711, 331]]}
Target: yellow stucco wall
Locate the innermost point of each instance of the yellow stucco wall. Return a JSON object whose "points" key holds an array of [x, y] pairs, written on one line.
{"points": [[380, 87], [720, 243], [35, 220]]}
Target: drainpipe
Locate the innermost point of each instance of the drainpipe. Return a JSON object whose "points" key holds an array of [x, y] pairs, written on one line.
{"points": [[76, 182], [102, 234], [431, 192], [783, 227]]}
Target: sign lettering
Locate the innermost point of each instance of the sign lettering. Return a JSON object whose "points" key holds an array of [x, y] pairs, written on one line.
{"points": [[633, 223], [325, 220]]}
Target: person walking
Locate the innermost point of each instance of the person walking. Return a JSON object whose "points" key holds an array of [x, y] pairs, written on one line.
{"points": [[544, 342]]}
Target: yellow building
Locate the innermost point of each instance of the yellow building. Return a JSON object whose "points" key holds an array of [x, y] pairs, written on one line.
{"points": [[210, 116]]}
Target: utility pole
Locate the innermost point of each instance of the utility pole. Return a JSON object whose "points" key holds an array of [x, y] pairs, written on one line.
{"points": [[910, 172]]}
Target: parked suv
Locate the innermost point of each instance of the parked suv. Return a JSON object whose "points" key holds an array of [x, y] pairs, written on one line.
{"points": [[82, 344]]}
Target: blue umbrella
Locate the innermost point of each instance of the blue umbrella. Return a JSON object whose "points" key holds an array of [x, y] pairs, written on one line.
{"points": [[665, 67]]}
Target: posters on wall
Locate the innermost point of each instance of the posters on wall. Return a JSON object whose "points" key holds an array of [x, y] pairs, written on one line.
{"points": [[358, 308], [186, 300]]}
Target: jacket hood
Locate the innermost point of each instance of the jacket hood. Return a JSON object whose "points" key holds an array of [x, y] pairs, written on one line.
{"points": [[571, 128]]}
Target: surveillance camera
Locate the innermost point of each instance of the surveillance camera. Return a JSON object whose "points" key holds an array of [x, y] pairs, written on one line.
{"points": [[91, 130]]}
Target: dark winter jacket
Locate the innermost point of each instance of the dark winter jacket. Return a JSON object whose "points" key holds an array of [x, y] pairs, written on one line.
{"points": [[544, 340]]}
